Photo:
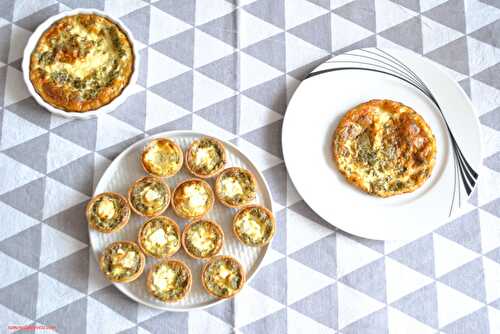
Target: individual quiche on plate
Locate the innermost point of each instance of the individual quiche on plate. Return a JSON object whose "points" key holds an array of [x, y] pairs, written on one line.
{"points": [[169, 281], [160, 237], [149, 196], [202, 239], [162, 157], [254, 225], [122, 261], [81, 62], [384, 148], [192, 199], [236, 187], [223, 276], [206, 157], [107, 212]]}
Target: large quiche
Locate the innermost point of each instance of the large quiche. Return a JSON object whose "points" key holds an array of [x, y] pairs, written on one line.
{"points": [[81, 63], [384, 148]]}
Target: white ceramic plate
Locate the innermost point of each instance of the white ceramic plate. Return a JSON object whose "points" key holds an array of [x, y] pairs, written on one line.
{"points": [[33, 41], [349, 79], [126, 168]]}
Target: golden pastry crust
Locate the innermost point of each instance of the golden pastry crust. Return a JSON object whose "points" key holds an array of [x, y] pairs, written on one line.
{"points": [[162, 157], [384, 148], [149, 196], [236, 187], [117, 263], [159, 237], [202, 239], [229, 283], [81, 62], [192, 199], [177, 277], [107, 212], [206, 157], [254, 225]]}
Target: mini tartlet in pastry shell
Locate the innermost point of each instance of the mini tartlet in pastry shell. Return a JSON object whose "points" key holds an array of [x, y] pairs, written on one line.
{"points": [[190, 153], [250, 193], [187, 288], [267, 212], [214, 227], [175, 194], [162, 144], [149, 179], [164, 221], [234, 262], [124, 206], [134, 276]]}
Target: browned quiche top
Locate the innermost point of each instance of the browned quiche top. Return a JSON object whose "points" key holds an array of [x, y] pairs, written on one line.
{"points": [[81, 62], [384, 148]]}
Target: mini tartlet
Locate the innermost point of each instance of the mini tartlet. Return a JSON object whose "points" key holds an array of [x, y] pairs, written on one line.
{"points": [[254, 225], [122, 261], [162, 157], [202, 239], [223, 276], [206, 157], [236, 187], [108, 212], [192, 199], [159, 237], [149, 196], [169, 281]]}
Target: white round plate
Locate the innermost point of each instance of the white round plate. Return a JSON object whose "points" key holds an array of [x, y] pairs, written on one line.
{"points": [[126, 168], [349, 79], [33, 41]]}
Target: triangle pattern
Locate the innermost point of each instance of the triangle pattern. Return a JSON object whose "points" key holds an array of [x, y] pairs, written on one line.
{"points": [[340, 39], [251, 305], [441, 14], [352, 255], [53, 295], [402, 280], [298, 323], [424, 261], [458, 47], [374, 286], [317, 256], [105, 319], [14, 221], [406, 34], [117, 301], [421, 305], [264, 10], [201, 321], [11, 124], [57, 245], [468, 279], [354, 305], [453, 305], [465, 230], [76, 311], [21, 296], [359, 12], [327, 297], [443, 250], [17, 270], [72, 270], [400, 322], [19, 198], [296, 289]]}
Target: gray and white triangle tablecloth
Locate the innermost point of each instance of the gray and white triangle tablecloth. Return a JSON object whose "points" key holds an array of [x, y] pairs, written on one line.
{"points": [[228, 68]]}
